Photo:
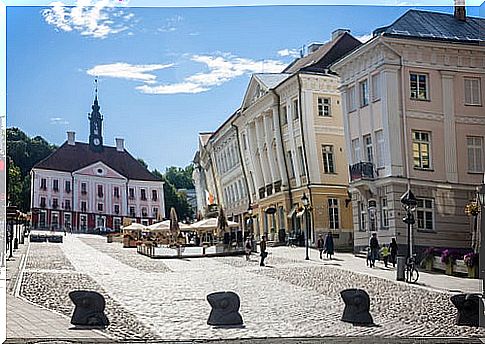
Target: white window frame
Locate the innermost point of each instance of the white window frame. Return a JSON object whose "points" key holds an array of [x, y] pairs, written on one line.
{"points": [[416, 95], [43, 215], [420, 142], [328, 159], [475, 152], [376, 87], [295, 109], [384, 213], [380, 148], [472, 97], [369, 153], [292, 166], [351, 103], [302, 160], [424, 208], [85, 208], [83, 222], [333, 213], [356, 150], [364, 92], [284, 115], [324, 107]]}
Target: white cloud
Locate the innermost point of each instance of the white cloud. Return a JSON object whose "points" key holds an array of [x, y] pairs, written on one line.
{"points": [[289, 52], [90, 18], [127, 71], [58, 121], [364, 38], [222, 68], [171, 24]]}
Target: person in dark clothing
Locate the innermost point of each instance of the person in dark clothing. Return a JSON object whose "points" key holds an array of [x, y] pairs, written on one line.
{"points": [[262, 248], [329, 246], [374, 247], [393, 247], [320, 245]]}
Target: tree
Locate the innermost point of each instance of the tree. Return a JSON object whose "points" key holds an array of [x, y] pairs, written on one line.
{"points": [[141, 161], [181, 178], [14, 183], [173, 198]]}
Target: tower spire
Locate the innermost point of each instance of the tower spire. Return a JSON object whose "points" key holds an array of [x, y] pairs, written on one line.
{"points": [[95, 123], [96, 89]]}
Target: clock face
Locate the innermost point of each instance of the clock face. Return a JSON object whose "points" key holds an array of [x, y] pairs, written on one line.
{"points": [[96, 142]]}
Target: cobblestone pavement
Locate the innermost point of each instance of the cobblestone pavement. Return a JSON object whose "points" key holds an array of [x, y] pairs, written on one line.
{"points": [[48, 286], [128, 256]]}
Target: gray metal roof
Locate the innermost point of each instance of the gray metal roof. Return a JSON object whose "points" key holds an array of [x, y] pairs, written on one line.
{"points": [[426, 25], [271, 80]]}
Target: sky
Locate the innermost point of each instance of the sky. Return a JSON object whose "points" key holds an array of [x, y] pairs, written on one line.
{"points": [[165, 74]]}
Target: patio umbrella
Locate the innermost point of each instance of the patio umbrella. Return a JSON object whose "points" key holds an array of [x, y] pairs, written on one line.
{"points": [[134, 227], [163, 226], [174, 224]]}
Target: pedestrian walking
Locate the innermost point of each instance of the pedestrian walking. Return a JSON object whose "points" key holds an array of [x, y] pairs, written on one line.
{"points": [[262, 248], [374, 248], [65, 232], [320, 245], [385, 254], [393, 248], [329, 246], [248, 247]]}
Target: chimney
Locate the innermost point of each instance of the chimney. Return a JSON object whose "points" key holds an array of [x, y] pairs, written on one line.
{"points": [[339, 32], [312, 47], [71, 138], [460, 11], [120, 144]]}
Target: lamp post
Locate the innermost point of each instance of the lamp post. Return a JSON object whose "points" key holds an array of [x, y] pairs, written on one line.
{"points": [[409, 203], [306, 203], [481, 200]]}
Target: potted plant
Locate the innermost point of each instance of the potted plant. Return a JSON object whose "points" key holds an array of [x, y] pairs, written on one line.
{"points": [[471, 262], [428, 258], [448, 258]]}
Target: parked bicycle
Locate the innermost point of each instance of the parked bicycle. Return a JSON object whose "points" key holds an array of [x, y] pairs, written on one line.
{"points": [[411, 270]]}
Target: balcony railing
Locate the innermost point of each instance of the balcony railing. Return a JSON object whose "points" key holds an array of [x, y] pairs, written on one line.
{"points": [[361, 170]]}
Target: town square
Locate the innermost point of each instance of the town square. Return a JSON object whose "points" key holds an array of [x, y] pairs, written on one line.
{"points": [[215, 174]]}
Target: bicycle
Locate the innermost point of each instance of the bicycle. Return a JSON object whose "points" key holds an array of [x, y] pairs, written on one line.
{"points": [[411, 270]]}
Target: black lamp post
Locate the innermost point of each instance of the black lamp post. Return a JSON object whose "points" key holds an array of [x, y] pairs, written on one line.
{"points": [[481, 201], [306, 204], [409, 203]]}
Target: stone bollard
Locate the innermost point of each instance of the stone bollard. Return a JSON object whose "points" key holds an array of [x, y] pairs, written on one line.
{"points": [[357, 305], [468, 306], [89, 310], [225, 309]]}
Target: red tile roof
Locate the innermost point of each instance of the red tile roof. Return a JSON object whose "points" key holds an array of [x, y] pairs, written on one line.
{"points": [[70, 158]]}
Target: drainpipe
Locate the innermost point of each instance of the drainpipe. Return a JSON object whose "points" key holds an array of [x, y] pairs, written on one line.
{"points": [[290, 195]]}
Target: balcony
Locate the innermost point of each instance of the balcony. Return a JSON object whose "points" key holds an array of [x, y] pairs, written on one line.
{"points": [[361, 170]]}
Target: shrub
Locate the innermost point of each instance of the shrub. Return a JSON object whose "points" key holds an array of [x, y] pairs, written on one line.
{"points": [[471, 259], [449, 256]]}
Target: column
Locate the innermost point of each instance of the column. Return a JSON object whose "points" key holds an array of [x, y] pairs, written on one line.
{"points": [[449, 127], [279, 146], [252, 142], [262, 160], [267, 121]]}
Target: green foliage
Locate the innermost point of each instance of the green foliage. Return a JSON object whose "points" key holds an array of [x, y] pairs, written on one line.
{"points": [[181, 178], [141, 161], [23, 153]]}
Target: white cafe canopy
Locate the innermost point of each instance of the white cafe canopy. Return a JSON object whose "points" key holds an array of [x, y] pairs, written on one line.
{"points": [[134, 227], [165, 226], [208, 224]]}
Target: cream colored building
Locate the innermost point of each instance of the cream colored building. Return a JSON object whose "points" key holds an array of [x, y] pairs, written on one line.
{"points": [[414, 116]]}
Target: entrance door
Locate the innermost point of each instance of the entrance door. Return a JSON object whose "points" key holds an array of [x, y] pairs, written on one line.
{"points": [[67, 221], [83, 222], [101, 221]]}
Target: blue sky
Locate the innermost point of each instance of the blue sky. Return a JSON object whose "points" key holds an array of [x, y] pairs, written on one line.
{"points": [[165, 74]]}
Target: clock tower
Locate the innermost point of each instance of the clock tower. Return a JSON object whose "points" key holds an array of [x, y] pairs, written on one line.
{"points": [[95, 125]]}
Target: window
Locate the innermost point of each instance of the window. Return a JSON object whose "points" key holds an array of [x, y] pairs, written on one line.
{"points": [[302, 161], [296, 113], [131, 193], [83, 188], [116, 223], [364, 93], [154, 195], [55, 185], [42, 218], [42, 202], [384, 213], [333, 213], [116, 192], [100, 190], [83, 206], [424, 213], [292, 167], [472, 91], [100, 206], [475, 153], [143, 194], [284, 115], [43, 184], [132, 212], [144, 212], [67, 204], [55, 203], [421, 149], [351, 99], [55, 220], [380, 148], [84, 221], [67, 186], [376, 87], [324, 105], [245, 145], [362, 217], [419, 86], [155, 213], [355, 151], [368, 148], [117, 209], [328, 163]]}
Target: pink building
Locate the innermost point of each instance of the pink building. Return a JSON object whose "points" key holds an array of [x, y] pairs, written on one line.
{"points": [[82, 186]]}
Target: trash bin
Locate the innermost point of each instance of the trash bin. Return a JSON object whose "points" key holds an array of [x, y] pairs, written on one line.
{"points": [[401, 263]]}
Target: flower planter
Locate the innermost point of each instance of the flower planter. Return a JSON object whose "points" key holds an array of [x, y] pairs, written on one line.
{"points": [[460, 267], [428, 264], [472, 271], [449, 269], [438, 265]]}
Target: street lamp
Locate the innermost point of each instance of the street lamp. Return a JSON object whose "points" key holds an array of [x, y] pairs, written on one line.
{"points": [[306, 203], [481, 200], [409, 202]]}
